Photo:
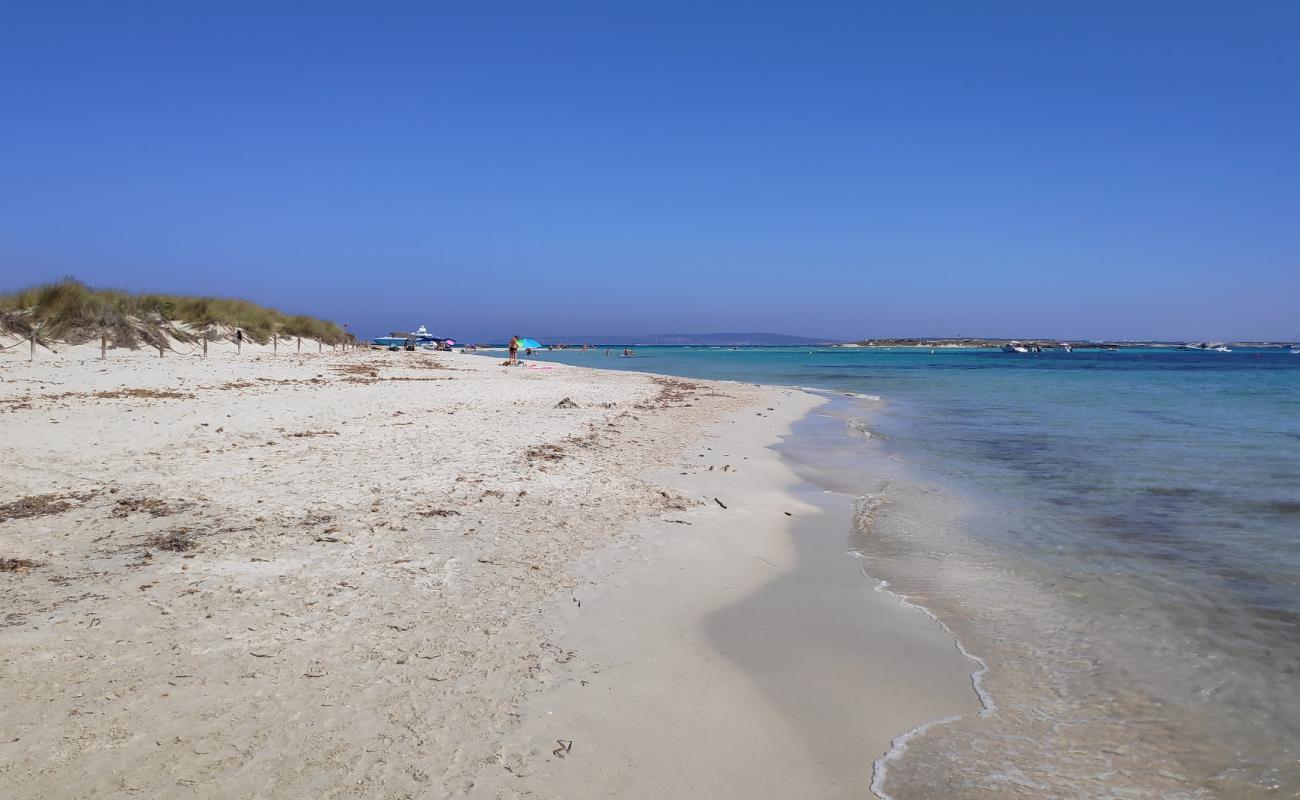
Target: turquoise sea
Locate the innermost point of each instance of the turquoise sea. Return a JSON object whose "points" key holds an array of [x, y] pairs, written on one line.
{"points": [[1115, 534]]}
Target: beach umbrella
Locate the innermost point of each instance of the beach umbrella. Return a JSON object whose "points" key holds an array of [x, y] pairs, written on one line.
{"points": [[529, 344]]}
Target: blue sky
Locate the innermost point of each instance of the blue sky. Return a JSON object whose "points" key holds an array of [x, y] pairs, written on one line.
{"points": [[1086, 169]]}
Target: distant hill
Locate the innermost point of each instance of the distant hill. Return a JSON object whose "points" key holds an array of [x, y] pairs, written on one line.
{"points": [[701, 339]]}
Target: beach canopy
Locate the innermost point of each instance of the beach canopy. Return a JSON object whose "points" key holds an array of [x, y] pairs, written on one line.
{"points": [[529, 344]]}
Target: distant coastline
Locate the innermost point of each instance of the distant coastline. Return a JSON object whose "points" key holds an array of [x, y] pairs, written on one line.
{"points": [[1045, 343], [761, 339]]}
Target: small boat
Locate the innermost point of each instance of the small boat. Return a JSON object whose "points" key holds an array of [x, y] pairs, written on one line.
{"points": [[1067, 347], [1014, 347], [1295, 349], [1222, 348], [402, 340]]}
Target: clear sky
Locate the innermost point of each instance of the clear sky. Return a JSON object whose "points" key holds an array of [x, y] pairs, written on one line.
{"points": [[1074, 169]]}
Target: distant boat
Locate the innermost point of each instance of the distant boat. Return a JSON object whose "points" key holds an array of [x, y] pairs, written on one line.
{"points": [[1295, 349], [1067, 347], [1019, 347], [421, 337]]}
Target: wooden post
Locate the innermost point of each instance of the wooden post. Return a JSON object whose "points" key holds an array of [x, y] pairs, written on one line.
{"points": [[103, 347], [239, 345], [32, 357], [205, 345], [319, 347], [275, 344], [299, 345], [161, 352]]}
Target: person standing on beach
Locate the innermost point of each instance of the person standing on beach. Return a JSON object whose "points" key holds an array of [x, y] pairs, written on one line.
{"points": [[514, 350]]}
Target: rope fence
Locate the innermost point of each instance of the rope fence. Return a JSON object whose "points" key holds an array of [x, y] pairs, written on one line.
{"points": [[33, 339], [30, 338]]}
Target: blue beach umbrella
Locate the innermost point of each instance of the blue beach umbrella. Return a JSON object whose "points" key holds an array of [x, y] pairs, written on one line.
{"points": [[529, 344]]}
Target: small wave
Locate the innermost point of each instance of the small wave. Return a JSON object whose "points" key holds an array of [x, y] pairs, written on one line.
{"points": [[860, 427], [864, 510]]}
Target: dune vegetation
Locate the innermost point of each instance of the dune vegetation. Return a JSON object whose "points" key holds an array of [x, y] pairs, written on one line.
{"points": [[69, 311]]}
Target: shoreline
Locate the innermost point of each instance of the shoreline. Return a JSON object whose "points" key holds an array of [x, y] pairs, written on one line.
{"points": [[722, 606], [364, 543]]}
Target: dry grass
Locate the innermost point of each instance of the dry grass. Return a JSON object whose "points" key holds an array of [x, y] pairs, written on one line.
{"points": [[70, 311]]}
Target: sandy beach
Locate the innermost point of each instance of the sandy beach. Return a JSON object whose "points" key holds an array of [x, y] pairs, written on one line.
{"points": [[374, 574]]}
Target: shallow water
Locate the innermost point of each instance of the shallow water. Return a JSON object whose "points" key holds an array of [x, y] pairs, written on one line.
{"points": [[1117, 534]]}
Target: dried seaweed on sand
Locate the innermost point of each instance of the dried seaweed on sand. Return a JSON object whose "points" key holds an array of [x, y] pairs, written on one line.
{"points": [[39, 505]]}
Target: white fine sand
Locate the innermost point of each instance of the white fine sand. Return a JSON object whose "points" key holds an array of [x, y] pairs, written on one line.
{"points": [[358, 575]]}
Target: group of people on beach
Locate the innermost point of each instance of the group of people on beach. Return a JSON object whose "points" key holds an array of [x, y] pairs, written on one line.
{"points": [[515, 342]]}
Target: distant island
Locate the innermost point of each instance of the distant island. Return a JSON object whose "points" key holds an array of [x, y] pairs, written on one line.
{"points": [[784, 340], [1045, 344]]}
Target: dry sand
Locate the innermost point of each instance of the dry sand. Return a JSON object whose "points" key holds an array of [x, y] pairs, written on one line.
{"points": [[357, 575]]}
